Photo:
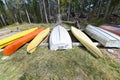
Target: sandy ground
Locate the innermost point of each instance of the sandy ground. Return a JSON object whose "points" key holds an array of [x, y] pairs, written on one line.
{"points": [[113, 53]]}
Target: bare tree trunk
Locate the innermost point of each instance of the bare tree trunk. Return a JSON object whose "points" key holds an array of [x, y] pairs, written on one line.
{"points": [[26, 11], [68, 12], [89, 13], [99, 8], [41, 13], [20, 17], [74, 8], [16, 19], [112, 9], [46, 17], [1, 22], [59, 15], [49, 9], [28, 17], [3, 19], [58, 6], [11, 13], [81, 2], [107, 9]]}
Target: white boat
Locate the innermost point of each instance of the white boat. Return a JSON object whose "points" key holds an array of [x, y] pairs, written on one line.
{"points": [[60, 39], [106, 38]]}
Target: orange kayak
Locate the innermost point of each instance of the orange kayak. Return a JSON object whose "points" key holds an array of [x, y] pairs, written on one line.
{"points": [[113, 29], [11, 48]]}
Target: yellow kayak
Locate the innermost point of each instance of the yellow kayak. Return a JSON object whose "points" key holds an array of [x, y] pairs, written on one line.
{"points": [[15, 36], [4, 45], [37, 40], [86, 41]]}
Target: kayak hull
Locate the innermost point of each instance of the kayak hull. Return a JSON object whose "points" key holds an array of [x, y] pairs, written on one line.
{"points": [[10, 49], [16, 36], [115, 30], [86, 41], [37, 40]]}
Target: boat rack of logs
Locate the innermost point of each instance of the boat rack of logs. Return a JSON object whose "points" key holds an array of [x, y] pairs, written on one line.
{"points": [[91, 37]]}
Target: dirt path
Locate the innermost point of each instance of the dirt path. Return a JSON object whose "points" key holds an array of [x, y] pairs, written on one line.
{"points": [[113, 53]]}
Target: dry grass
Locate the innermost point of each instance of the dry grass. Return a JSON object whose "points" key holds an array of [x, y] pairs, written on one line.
{"points": [[43, 64], [28, 26]]}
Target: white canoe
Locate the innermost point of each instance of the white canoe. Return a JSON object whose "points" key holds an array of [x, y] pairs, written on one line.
{"points": [[60, 39]]}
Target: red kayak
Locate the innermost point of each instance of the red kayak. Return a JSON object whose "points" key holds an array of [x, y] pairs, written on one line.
{"points": [[11, 48], [113, 29]]}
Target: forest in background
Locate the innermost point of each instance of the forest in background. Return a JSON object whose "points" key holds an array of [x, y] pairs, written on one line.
{"points": [[46, 11]]}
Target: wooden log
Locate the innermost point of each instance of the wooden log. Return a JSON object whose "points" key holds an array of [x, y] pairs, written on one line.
{"points": [[74, 23], [70, 30], [1, 50], [69, 22], [79, 44], [73, 44], [5, 32], [5, 57], [7, 35], [107, 39]]}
